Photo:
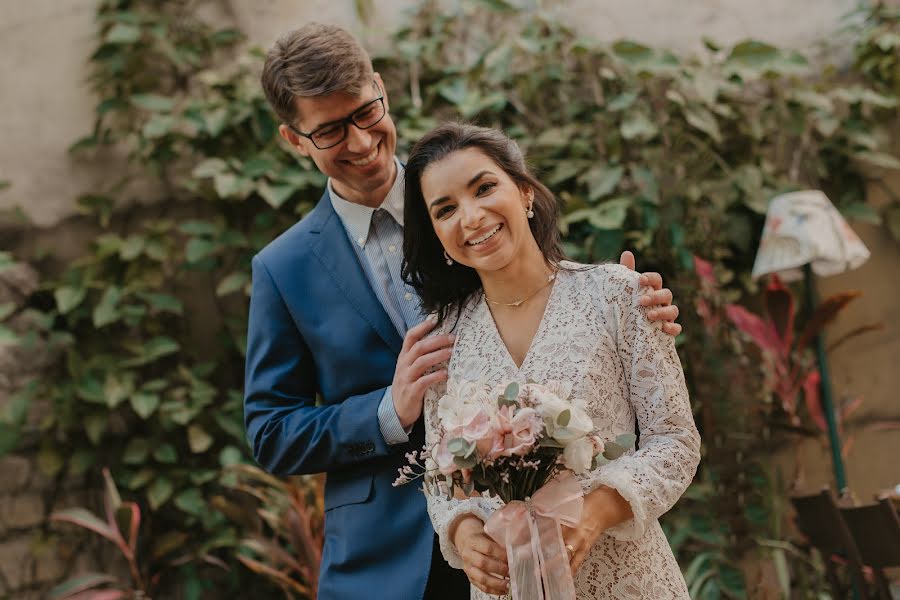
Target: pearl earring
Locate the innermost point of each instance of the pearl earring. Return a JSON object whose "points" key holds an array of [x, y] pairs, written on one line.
{"points": [[528, 212], [448, 259]]}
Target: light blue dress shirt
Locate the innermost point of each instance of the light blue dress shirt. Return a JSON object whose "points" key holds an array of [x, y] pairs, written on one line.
{"points": [[377, 236]]}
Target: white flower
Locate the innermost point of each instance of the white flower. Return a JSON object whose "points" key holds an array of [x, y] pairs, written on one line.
{"points": [[551, 406], [459, 406], [578, 455]]}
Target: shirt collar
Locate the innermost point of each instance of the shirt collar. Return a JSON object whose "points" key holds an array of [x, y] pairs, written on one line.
{"points": [[357, 219]]}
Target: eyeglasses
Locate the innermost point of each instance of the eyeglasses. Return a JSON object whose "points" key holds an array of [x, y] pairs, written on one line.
{"points": [[331, 134]]}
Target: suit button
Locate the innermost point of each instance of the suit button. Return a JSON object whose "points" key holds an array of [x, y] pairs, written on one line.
{"points": [[370, 447]]}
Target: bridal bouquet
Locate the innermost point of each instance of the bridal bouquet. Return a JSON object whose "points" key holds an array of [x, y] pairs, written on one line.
{"points": [[524, 445]]}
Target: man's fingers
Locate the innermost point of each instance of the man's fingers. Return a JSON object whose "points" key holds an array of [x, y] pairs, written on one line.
{"points": [[672, 328], [414, 334], [651, 279], [421, 365], [627, 260], [657, 298], [663, 313], [430, 345], [423, 383]]}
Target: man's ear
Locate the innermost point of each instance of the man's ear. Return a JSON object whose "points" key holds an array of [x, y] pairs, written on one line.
{"points": [[296, 141], [383, 91]]}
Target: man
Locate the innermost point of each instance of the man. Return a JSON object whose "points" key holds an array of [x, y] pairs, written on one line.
{"points": [[330, 316]]}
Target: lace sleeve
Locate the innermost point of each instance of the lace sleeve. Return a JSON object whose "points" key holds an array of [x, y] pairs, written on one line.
{"points": [[441, 510], [652, 478]]}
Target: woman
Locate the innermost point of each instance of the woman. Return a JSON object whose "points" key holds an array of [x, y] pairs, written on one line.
{"points": [[483, 251]]}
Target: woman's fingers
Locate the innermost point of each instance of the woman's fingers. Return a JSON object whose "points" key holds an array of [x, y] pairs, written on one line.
{"points": [[486, 582]]}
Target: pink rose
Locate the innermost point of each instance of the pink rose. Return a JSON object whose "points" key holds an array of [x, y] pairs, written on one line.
{"points": [[519, 429]]}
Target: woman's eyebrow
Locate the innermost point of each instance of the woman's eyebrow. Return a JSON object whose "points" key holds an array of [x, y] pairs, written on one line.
{"points": [[470, 183]]}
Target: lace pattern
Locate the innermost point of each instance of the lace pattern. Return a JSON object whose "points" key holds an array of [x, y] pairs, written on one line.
{"points": [[595, 336]]}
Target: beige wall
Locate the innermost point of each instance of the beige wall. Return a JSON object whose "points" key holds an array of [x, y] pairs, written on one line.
{"points": [[44, 45]]}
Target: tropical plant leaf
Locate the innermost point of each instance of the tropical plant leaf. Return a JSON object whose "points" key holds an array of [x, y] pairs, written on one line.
{"points": [[81, 583], [824, 314]]}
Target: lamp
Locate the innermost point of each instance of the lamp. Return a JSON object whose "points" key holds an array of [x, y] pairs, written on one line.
{"points": [[805, 234]]}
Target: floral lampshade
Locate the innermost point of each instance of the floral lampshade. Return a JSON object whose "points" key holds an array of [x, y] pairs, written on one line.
{"points": [[804, 227]]}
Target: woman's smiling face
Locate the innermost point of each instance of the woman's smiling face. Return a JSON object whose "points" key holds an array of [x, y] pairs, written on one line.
{"points": [[477, 210]]}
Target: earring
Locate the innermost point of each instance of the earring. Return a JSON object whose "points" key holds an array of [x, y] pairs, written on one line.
{"points": [[448, 259], [528, 212]]}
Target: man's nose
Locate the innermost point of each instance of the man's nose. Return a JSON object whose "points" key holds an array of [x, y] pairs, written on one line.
{"points": [[358, 140]]}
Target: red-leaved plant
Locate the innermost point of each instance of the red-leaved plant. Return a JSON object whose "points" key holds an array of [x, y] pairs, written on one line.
{"points": [[120, 527], [789, 363]]}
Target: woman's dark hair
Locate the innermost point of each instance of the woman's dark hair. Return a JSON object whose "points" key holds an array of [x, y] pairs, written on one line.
{"points": [[445, 289]]}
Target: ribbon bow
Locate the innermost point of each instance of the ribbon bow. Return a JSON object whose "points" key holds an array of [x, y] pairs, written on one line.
{"points": [[531, 531]]}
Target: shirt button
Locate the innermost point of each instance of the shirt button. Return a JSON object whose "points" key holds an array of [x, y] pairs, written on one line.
{"points": [[361, 241], [408, 296], [392, 248]]}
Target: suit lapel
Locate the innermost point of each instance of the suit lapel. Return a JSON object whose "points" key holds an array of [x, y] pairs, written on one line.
{"points": [[332, 247]]}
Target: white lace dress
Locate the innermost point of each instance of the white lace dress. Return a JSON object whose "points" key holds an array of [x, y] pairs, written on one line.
{"points": [[596, 336]]}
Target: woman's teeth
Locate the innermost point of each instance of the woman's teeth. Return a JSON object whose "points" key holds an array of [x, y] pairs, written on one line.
{"points": [[485, 237], [365, 160]]}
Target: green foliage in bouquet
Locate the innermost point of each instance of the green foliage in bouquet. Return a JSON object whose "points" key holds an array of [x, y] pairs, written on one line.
{"points": [[671, 157]]}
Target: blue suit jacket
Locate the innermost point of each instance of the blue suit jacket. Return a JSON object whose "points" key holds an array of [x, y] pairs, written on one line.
{"points": [[316, 327]]}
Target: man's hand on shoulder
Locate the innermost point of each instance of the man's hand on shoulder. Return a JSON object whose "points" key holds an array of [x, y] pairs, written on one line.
{"points": [[659, 300], [412, 377]]}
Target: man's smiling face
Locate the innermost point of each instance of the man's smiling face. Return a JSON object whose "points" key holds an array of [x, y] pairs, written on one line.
{"points": [[361, 166]]}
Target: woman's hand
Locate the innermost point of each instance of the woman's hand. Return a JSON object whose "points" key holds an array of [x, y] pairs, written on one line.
{"points": [[484, 560], [603, 508]]}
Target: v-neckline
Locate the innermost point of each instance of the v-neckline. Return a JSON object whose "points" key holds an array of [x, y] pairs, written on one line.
{"points": [[537, 334]]}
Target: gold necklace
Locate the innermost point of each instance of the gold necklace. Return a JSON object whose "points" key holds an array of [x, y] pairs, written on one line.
{"points": [[550, 279]]}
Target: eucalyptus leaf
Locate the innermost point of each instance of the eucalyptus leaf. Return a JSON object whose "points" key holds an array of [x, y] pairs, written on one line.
{"points": [[612, 451], [512, 391]]}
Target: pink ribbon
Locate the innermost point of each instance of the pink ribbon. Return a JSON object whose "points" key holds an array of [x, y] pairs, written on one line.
{"points": [[531, 531]]}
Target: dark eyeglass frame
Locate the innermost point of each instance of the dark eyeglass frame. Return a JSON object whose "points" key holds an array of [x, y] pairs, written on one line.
{"points": [[349, 119]]}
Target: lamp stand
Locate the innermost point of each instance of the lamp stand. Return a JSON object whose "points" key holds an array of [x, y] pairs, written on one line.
{"points": [[834, 439]]}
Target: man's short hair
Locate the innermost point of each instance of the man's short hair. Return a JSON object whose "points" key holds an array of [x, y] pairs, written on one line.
{"points": [[315, 60]]}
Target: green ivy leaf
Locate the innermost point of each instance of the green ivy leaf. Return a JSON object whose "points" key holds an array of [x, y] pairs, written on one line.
{"points": [[136, 452], [166, 454], [132, 247], [230, 456], [121, 33], [8, 337], [153, 102], [636, 126], [158, 126], [191, 501], [68, 297], [159, 492], [106, 311], [199, 248], [144, 404], [162, 302], [95, 426], [7, 309], [198, 439], [602, 180], [232, 283], [275, 194]]}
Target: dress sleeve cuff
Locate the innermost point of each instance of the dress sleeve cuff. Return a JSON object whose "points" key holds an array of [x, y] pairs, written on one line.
{"points": [[479, 507], [391, 429], [621, 480]]}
